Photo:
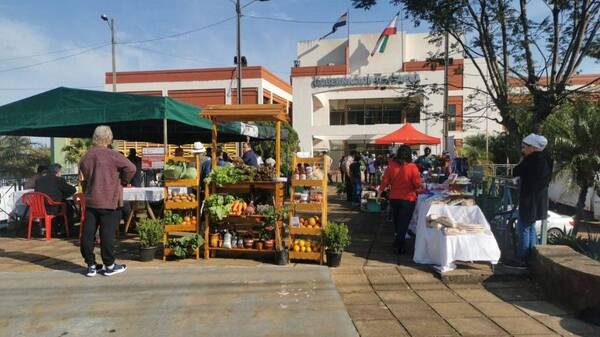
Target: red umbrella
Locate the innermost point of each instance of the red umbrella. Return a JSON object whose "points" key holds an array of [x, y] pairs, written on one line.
{"points": [[408, 135]]}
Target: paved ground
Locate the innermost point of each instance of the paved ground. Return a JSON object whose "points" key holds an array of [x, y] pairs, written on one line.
{"points": [[195, 301], [384, 295], [389, 295]]}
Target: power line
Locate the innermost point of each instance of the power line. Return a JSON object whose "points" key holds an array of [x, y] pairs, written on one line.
{"points": [[173, 55], [178, 34], [53, 60], [46, 53], [35, 89], [308, 21]]}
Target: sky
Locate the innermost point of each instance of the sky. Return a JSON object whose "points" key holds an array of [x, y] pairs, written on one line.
{"points": [[45, 44], [72, 43]]}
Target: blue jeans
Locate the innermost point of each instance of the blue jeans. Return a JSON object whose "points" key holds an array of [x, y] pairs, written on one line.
{"points": [[356, 190], [527, 238]]}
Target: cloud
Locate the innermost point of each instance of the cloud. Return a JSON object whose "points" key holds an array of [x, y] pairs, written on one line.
{"points": [[85, 70]]}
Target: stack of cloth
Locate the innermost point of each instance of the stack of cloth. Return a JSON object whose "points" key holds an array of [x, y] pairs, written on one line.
{"points": [[454, 201], [449, 227]]}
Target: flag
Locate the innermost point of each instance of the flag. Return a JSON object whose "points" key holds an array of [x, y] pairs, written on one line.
{"points": [[385, 35], [341, 22]]}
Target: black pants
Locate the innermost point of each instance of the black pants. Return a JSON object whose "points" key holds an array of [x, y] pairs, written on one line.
{"points": [[349, 188], [108, 220], [402, 211]]}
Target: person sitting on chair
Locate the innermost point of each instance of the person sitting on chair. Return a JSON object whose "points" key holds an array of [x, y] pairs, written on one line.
{"points": [[57, 188]]}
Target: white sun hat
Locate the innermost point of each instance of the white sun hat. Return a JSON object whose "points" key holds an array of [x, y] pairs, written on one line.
{"points": [[198, 148]]}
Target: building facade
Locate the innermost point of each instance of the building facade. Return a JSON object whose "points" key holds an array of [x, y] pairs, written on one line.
{"points": [[345, 97], [203, 87]]}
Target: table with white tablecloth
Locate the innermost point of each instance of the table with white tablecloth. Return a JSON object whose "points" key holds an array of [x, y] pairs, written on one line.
{"points": [[432, 246], [139, 196]]}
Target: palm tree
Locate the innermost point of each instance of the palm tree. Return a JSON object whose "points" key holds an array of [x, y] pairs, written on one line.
{"points": [[76, 148], [574, 141]]}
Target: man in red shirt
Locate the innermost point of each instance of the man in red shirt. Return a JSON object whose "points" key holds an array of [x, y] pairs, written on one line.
{"points": [[403, 178]]}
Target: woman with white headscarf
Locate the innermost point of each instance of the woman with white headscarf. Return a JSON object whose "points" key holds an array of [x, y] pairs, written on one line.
{"points": [[535, 173]]}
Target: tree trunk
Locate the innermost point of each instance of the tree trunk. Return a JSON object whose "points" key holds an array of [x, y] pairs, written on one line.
{"points": [[580, 206]]}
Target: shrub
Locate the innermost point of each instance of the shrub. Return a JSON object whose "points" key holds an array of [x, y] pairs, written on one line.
{"points": [[336, 236], [589, 246], [150, 231]]}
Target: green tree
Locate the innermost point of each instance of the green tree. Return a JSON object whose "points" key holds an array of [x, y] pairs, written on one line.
{"points": [[501, 148], [539, 43], [574, 144], [76, 148], [289, 146], [19, 157]]}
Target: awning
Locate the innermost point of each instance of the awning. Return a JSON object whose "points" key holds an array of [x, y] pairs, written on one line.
{"points": [[75, 113], [408, 135]]}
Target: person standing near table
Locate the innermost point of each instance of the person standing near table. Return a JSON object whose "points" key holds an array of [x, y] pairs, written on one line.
{"points": [[137, 161], [103, 171], [249, 157], [355, 178], [403, 178], [535, 173], [347, 162]]}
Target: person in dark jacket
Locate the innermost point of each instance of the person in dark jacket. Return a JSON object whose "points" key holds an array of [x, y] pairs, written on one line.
{"points": [[56, 187], [535, 173], [355, 179], [249, 157], [103, 172]]}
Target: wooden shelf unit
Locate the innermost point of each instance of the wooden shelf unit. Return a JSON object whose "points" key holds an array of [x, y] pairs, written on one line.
{"points": [[310, 207], [191, 207], [246, 113]]}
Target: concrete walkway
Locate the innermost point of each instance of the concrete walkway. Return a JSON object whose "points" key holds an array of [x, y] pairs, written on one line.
{"points": [[378, 294], [389, 295], [194, 301]]}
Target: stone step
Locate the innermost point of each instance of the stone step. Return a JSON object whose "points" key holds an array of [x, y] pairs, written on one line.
{"points": [[475, 273]]}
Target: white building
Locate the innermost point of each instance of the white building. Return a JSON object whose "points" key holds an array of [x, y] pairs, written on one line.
{"points": [[344, 98]]}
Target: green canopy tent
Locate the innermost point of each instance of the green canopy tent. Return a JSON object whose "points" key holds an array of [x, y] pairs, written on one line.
{"points": [[75, 113]]}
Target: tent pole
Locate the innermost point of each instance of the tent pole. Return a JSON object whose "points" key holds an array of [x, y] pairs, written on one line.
{"points": [[278, 148], [213, 144], [165, 137]]}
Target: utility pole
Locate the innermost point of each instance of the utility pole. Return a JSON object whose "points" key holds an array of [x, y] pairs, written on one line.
{"points": [[445, 119], [238, 11], [113, 42]]}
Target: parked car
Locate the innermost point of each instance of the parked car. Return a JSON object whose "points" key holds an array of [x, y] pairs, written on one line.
{"points": [[557, 224]]}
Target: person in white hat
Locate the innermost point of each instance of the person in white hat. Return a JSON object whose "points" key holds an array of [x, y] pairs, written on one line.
{"points": [[535, 173]]}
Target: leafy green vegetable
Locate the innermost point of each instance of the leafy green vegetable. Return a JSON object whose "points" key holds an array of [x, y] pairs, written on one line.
{"points": [[219, 206], [170, 218], [226, 175], [182, 246]]}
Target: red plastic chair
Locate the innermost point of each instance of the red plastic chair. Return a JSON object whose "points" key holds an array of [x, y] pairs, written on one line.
{"points": [[36, 202], [79, 200]]}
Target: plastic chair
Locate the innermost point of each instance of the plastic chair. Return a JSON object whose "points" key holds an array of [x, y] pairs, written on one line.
{"points": [[79, 199], [37, 202]]}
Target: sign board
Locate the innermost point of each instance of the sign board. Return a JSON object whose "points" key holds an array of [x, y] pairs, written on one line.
{"points": [[249, 130], [365, 81], [153, 158]]}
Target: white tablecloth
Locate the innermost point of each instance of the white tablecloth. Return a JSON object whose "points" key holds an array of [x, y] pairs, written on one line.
{"points": [[150, 194], [434, 247]]}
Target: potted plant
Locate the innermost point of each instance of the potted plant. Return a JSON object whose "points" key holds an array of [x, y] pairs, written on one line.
{"points": [[151, 233], [336, 237]]}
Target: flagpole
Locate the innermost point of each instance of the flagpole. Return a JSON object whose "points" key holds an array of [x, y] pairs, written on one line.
{"points": [[348, 49], [401, 35]]}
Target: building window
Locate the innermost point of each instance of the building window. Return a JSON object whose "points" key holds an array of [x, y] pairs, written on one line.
{"points": [[336, 113], [375, 111], [452, 117]]}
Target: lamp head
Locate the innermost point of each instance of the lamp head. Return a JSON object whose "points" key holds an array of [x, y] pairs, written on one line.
{"points": [[104, 17]]}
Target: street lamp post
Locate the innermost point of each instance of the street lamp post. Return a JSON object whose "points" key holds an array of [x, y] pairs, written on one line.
{"points": [[238, 11], [111, 26]]}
